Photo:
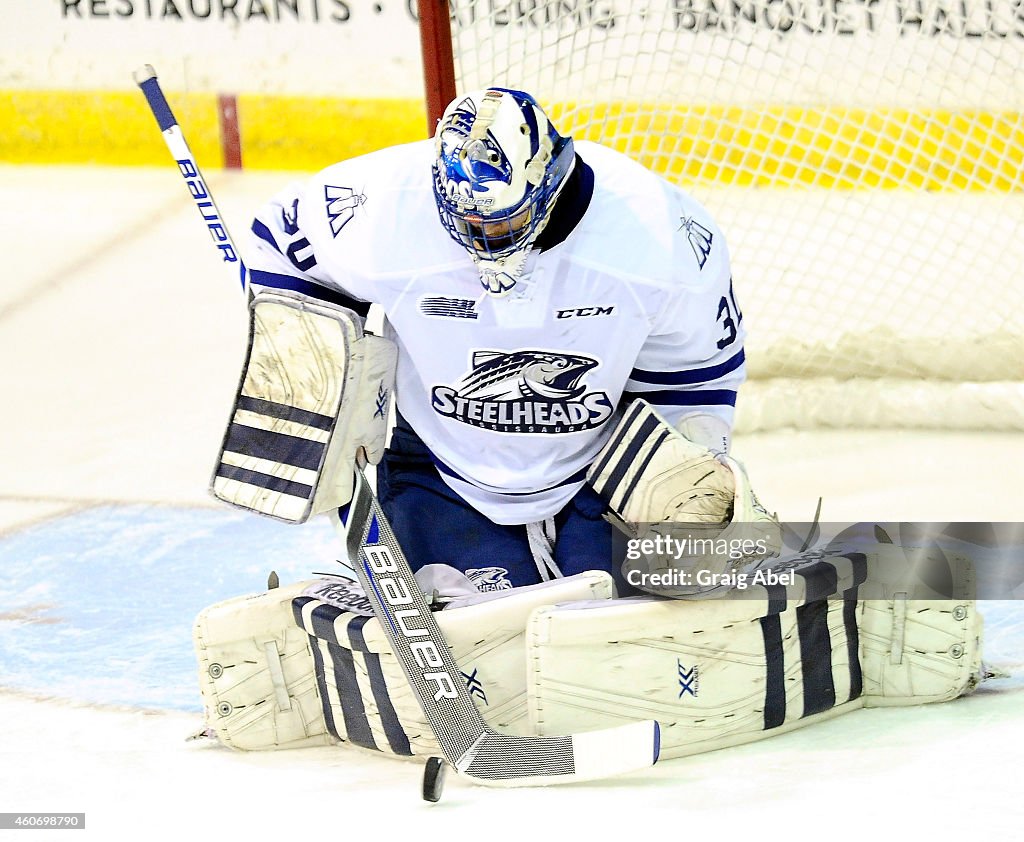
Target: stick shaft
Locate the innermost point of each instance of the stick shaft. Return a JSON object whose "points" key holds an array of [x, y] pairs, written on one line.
{"points": [[146, 79]]}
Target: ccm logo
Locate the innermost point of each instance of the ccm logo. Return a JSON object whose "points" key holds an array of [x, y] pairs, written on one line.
{"points": [[409, 620], [579, 312]]}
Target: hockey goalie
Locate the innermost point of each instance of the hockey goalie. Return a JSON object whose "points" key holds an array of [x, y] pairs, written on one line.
{"points": [[563, 352]]}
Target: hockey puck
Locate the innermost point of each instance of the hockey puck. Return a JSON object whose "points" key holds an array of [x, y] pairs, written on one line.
{"points": [[433, 778]]}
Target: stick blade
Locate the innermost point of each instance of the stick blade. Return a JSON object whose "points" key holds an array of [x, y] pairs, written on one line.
{"points": [[616, 751], [507, 761]]}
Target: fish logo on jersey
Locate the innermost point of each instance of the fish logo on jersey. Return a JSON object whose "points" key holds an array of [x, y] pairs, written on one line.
{"points": [[341, 206], [700, 238], [525, 391], [470, 163], [525, 374], [489, 579]]}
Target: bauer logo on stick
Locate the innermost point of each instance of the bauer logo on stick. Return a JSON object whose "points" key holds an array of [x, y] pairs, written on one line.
{"points": [[405, 614], [204, 202]]}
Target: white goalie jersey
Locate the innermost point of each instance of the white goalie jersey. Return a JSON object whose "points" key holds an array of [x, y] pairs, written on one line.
{"points": [[514, 396]]}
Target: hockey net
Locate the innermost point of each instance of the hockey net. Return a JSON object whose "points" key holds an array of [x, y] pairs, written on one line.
{"points": [[864, 158]]}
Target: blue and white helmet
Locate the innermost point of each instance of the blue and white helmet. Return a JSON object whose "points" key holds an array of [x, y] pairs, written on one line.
{"points": [[499, 168]]}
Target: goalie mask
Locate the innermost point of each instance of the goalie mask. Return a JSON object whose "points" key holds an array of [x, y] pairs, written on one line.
{"points": [[499, 168]]}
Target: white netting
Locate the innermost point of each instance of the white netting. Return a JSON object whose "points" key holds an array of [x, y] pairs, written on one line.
{"points": [[864, 158]]}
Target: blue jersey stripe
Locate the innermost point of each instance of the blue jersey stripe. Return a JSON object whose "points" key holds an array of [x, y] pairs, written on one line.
{"points": [[697, 397], [690, 376], [579, 476], [263, 232], [304, 287]]}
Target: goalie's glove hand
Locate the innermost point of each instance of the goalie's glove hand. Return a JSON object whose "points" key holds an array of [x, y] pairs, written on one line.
{"points": [[649, 472], [701, 489], [658, 482]]}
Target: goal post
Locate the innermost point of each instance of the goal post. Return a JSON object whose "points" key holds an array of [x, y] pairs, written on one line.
{"points": [[438, 58], [865, 159]]}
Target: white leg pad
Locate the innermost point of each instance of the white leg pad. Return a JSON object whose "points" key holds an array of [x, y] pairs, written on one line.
{"points": [[342, 682], [256, 673], [723, 672], [915, 651]]}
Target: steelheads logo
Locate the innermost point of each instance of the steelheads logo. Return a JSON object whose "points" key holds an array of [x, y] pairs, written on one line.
{"points": [[525, 392]]}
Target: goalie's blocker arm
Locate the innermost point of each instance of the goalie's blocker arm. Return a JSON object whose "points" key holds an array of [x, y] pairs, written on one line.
{"points": [[314, 391]]}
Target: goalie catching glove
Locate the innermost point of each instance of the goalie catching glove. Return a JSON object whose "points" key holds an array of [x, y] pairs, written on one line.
{"points": [[690, 513], [314, 391]]}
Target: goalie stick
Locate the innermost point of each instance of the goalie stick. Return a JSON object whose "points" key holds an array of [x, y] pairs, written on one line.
{"points": [[469, 745]]}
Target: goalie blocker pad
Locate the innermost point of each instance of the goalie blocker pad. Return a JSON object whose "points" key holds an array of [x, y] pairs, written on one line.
{"points": [[314, 389], [308, 665]]}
